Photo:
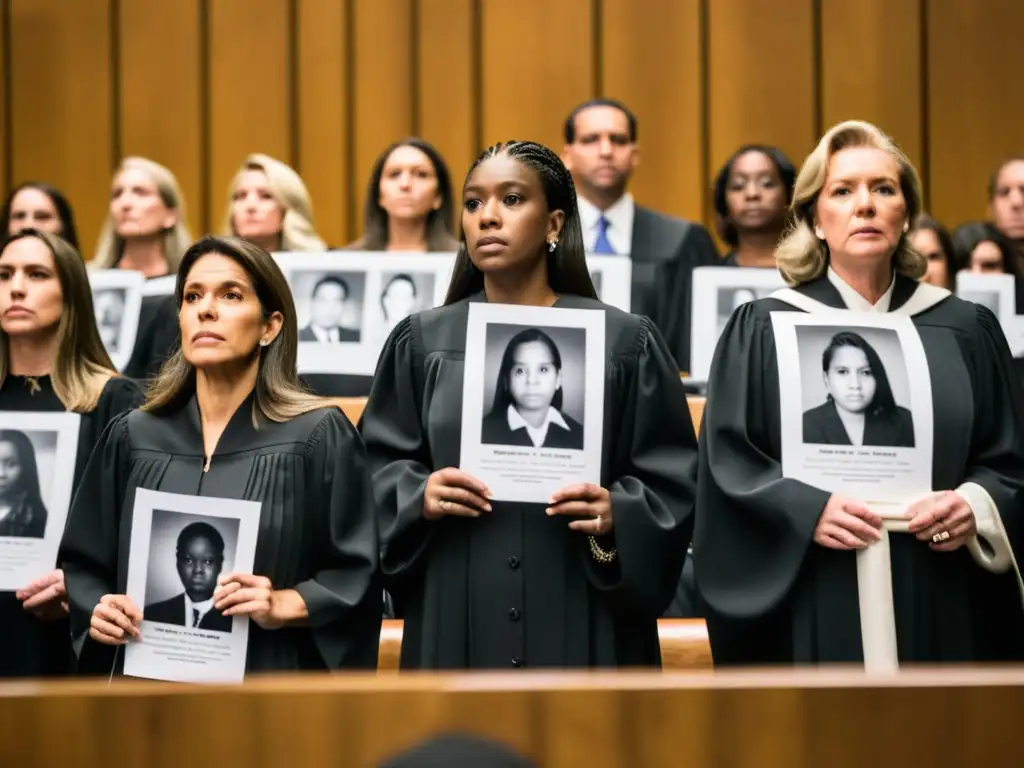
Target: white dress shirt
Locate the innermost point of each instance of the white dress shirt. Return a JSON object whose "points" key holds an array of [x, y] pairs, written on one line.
{"points": [[324, 335], [537, 434], [204, 608], [620, 224]]}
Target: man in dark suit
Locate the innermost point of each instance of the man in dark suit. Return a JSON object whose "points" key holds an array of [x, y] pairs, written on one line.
{"points": [[601, 153], [200, 554], [326, 312]]}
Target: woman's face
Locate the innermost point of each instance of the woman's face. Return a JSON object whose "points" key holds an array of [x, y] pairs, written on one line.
{"points": [[408, 184], [31, 299], [505, 216], [861, 211], [986, 259], [255, 212], [221, 318], [10, 467], [533, 378], [32, 208], [137, 207], [926, 242], [850, 380], [399, 299], [1007, 207], [754, 196]]}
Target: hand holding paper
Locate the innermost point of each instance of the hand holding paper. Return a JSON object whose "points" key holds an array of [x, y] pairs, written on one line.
{"points": [[45, 597], [587, 500], [114, 619], [846, 524], [451, 491], [243, 594], [936, 513]]}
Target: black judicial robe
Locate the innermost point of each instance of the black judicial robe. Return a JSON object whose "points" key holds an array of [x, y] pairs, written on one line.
{"points": [[30, 647], [317, 531], [157, 337], [514, 587], [771, 594]]}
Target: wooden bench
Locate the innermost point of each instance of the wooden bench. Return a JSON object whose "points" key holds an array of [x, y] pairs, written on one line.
{"points": [[684, 645]]}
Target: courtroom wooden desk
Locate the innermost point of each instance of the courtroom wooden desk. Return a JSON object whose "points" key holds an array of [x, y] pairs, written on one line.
{"points": [[932, 718]]}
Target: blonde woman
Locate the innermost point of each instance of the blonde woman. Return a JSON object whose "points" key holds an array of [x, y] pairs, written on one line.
{"points": [[776, 559], [51, 359], [227, 418], [147, 228], [269, 207]]}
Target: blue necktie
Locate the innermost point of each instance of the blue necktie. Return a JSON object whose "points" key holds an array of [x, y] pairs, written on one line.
{"points": [[602, 244]]}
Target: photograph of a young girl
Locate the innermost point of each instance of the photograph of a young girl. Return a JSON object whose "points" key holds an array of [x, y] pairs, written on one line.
{"points": [[22, 511], [860, 406], [538, 389]]}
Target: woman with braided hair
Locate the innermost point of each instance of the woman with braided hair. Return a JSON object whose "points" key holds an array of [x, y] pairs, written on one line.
{"points": [[493, 584]]}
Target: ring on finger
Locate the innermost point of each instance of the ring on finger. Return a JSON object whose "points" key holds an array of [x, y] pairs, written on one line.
{"points": [[942, 536], [443, 505]]}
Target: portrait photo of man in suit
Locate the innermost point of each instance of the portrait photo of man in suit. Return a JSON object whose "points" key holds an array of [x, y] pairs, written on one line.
{"points": [[326, 311], [200, 559]]}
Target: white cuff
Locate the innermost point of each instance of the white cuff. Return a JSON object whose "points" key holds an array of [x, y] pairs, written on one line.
{"points": [[1000, 557]]}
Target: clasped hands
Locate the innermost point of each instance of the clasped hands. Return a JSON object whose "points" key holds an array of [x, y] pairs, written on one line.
{"points": [[847, 524], [116, 619], [451, 491]]}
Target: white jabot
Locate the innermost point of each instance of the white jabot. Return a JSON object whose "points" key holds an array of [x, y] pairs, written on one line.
{"points": [[537, 434], [204, 608], [620, 223], [855, 301]]}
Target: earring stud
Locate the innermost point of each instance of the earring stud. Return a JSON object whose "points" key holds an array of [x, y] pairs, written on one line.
{"points": [[263, 342], [552, 245]]}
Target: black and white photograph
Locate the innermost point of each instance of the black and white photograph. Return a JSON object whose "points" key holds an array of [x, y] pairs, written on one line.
{"points": [[855, 387], [187, 554], [329, 305], [533, 379], [34, 496], [613, 279], [717, 293], [533, 399], [117, 303], [180, 546], [403, 294], [856, 403], [997, 292]]}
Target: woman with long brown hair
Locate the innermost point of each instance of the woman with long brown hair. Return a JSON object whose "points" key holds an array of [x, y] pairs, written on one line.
{"points": [[227, 418], [51, 359]]}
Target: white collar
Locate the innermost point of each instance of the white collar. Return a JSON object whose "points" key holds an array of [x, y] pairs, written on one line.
{"points": [[619, 214], [204, 607], [537, 434], [855, 301]]}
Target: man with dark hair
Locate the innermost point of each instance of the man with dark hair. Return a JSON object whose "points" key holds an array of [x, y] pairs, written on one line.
{"points": [[326, 312], [200, 555], [601, 153]]}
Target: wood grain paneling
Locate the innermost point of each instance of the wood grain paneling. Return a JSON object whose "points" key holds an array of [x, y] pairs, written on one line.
{"points": [[324, 111], [385, 96], [646, 44], [871, 68], [161, 106], [250, 89], [5, 113], [447, 83], [61, 95], [537, 64], [975, 110], [761, 77]]}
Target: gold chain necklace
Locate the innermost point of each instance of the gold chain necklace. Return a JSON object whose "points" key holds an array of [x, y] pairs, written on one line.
{"points": [[32, 382]]}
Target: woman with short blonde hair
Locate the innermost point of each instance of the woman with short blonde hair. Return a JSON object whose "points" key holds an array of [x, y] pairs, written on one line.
{"points": [[147, 227], [269, 206], [777, 560]]}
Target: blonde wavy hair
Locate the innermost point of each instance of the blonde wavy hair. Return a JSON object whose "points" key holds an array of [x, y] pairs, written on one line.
{"points": [[298, 232], [81, 367], [280, 396], [176, 239], [800, 255]]}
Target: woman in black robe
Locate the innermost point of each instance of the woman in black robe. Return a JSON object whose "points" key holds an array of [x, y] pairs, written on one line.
{"points": [[51, 359], [227, 418], [776, 559], [485, 584]]}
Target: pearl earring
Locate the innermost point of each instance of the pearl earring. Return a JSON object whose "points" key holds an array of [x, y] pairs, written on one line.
{"points": [[552, 245], [263, 342]]}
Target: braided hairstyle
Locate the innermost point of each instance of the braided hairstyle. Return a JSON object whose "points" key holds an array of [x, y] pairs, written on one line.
{"points": [[567, 264]]}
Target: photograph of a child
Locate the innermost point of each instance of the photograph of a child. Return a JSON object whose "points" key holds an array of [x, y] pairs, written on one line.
{"points": [[860, 406], [536, 392]]}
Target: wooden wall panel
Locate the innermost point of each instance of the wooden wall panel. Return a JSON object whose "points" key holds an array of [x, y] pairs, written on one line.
{"points": [[324, 112], [761, 77], [645, 46], [5, 114], [871, 68], [975, 111], [385, 95], [161, 109], [537, 63], [250, 89], [61, 93], [447, 83]]}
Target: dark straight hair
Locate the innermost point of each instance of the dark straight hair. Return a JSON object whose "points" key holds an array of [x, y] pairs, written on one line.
{"points": [[569, 129], [567, 264], [64, 212], [971, 234], [924, 222], [503, 390], [883, 401], [28, 482]]}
